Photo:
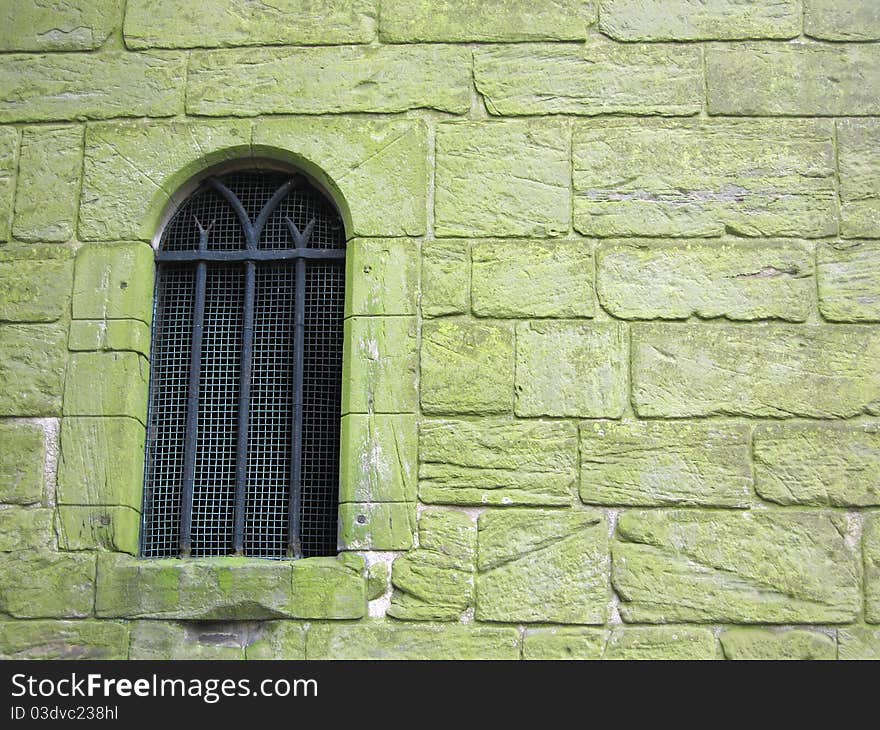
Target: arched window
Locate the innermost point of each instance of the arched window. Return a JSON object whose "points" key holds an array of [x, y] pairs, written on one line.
{"points": [[246, 368]]}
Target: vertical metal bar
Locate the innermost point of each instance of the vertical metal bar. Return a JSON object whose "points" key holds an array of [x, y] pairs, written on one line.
{"points": [[294, 542], [244, 402]]}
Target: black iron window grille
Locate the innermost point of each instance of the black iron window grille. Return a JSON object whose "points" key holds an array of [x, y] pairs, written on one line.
{"points": [[246, 373]]}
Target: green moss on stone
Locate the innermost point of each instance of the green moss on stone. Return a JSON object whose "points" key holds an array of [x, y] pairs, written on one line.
{"points": [[31, 25], [673, 643], [26, 528], [382, 277], [63, 640], [41, 584], [776, 644], [21, 462], [377, 525], [32, 365], [35, 283], [99, 528], [114, 281], [379, 454], [446, 278]]}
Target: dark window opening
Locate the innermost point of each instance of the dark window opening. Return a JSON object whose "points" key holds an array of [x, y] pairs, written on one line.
{"points": [[246, 373]]}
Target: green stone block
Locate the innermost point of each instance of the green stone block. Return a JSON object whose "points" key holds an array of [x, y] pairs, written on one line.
{"points": [[329, 80], [33, 25], [114, 281], [47, 584], [115, 335], [596, 77], [35, 283], [816, 79], [668, 643], [326, 588], [853, 20], [859, 159], [379, 458], [377, 170], [571, 369], [277, 640], [771, 370], [62, 86], [736, 567], [497, 462], [32, 362], [692, 20], [446, 278], [99, 528], [467, 367], [849, 281], [107, 384], [174, 24], [871, 557], [377, 580], [63, 640], [379, 368], [394, 640], [166, 640], [25, 528], [659, 280], [858, 642], [507, 178], [542, 566], [818, 464], [21, 462], [777, 644], [704, 178], [377, 525], [8, 167], [382, 277], [49, 171], [533, 279]]}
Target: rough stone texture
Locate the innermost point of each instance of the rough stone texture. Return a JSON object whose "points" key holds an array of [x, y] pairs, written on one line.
{"points": [[737, 567], [42, 640], [329, 80], [377, 526], [107, 384], [793, 79], [99, 528], [32, 361], [675, 643], [33, 25], [379, 371], [446, 278], [507, 178], [858, 143], [497, 462], [671, 178], [435, 581], [775, 645], [466, 367], [115, 335], [21, 462], [8, 166], [47, 584], [114, 281], [849, 281], [570, 369], [858, 642], [472, 20], [277, 640], [837, 466], [542, 566], [690, 20], [853, 20], [533, 279], [26, 528], [61, 86], [211, 23], [393, 640], [775, 371], [206, 641], [382, 277], [35, 283], [379, 458], [871, 555], [659, 280], [599, 77], [657, 463]]}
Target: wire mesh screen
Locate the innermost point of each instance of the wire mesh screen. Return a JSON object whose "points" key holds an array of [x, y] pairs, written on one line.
{"points": [[196, 513]]}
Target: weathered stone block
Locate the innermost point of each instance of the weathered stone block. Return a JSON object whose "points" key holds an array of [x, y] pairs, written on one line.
{"points": [[542, 566], [114, 281], [196, 640], [327, 588], [467, 367], [35, 283], [570, 369], [31, 25], [854, 20], [658, 280], [858, 642], [737, 567], [26, 528], [47, 584], [849, 281], [377, 526], [871, 556], [61, 86], [446, 278], [32, 360], [776, 644], [8, 166], [63, 640], [599, 77], [21, 462], [676, 643], [657, 463], [498, 462], [859, 152], [665, 178], [378, 575], [379, 458], [502, 178], [382, 277], [379, 371], [329, 80], [277, 640], [533, 279], [769, 370], [115, 335], [107, 384], [837, 466], [99, 528], [210, 23]]}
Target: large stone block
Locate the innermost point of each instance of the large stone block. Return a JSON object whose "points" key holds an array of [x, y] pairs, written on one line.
{"points": [[776, 644], [871, 556], [506, 178], [859, 152], [277, 640], [662, 463], [599, 77], [32, 362], [658, 280], [47, 584], [35, 283], [114, 335], [498, 462], [467, 367], [377, 525], [775, 371], [446, 278], [542, 566], [379, 458], [33, 25], [858, 642], [571, 369], [736, 567], [382, 277], [195, 640], [702, 178], [107, 384], [853, 20], [26, 528], [21, 462], [99, 528], [675, 643], [849, 281], [114, 281], [63, 640], [8, 167]]}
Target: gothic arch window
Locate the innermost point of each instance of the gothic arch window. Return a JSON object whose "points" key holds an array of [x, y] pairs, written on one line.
{"points": [[243, 433]]}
